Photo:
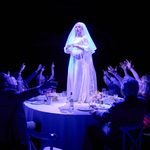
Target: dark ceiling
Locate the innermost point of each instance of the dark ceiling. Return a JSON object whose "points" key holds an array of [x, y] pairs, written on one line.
{"points": [[36, 33]]}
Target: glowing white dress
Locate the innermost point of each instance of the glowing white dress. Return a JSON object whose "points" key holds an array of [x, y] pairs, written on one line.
{"points": [[81, 79]]}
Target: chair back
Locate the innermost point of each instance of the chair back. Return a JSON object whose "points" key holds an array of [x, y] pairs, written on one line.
{"points": [[46, 139], [132, 136]]}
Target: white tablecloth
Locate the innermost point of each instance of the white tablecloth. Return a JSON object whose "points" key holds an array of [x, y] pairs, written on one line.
{"points": [[69, 126]]}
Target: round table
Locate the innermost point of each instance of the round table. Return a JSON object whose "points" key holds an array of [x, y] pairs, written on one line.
{"points": [[70, 126]]}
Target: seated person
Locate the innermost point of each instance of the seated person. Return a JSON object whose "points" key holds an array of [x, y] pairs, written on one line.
{"points": [[145, 92], [128, 112], [13, 135], [143, 80]]}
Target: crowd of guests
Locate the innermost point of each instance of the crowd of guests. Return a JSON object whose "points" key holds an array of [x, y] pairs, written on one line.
{"points": [[134, 109], [14, 90], [127, 112]]}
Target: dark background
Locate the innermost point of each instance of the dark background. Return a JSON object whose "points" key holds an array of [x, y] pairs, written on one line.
{"points": [[36, 32]]}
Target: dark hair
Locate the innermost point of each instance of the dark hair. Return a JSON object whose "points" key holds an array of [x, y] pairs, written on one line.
{"points": [[129, 87]]}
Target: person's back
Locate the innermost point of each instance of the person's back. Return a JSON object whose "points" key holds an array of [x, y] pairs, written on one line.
{"points": [[145, 92], [131, 111], [7, 111], [13, 135]]}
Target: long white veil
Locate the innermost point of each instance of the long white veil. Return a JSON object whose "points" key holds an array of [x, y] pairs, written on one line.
{"points": [[72, 35]]}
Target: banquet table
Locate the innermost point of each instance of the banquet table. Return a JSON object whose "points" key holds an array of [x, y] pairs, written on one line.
{"points": [[55, 117]]}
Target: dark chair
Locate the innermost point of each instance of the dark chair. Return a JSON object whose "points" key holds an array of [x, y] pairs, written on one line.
{"points": [[132, 137], [146, 132], [46, 139]]}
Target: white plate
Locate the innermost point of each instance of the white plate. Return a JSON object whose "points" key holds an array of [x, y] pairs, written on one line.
{"points": [[84, 109], [36, 102], [104, 107]]}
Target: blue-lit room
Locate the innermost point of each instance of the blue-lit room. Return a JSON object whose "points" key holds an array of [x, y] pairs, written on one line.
{"points": [[74, 75]]}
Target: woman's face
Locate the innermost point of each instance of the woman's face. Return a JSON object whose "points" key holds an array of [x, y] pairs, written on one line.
{"points": [[79, 30]]}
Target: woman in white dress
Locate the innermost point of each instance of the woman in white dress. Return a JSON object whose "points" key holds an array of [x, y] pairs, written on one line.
{"points": [[81, 79]]}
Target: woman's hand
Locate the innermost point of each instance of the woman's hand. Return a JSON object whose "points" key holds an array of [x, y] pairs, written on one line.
{"points": [[79, 47], [79, 56]]}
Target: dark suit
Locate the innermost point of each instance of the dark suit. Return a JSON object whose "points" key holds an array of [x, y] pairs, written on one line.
{"points": [[13, 122], [128, 112]]}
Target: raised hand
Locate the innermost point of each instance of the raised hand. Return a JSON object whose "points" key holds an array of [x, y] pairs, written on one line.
{"points": [[129, 64], [39, 67], [52, 72], [22, 68], [105, 72], [112, 70], [123, 65], [42, 69]]}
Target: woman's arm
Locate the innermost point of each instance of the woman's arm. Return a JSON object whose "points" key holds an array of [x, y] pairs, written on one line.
{"points": [[115, 73], [133, 71], [68, 49]]}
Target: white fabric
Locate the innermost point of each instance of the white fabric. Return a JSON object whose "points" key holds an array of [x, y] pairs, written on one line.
{"points": [[81, 79], [59, 108], [69, 127]]}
